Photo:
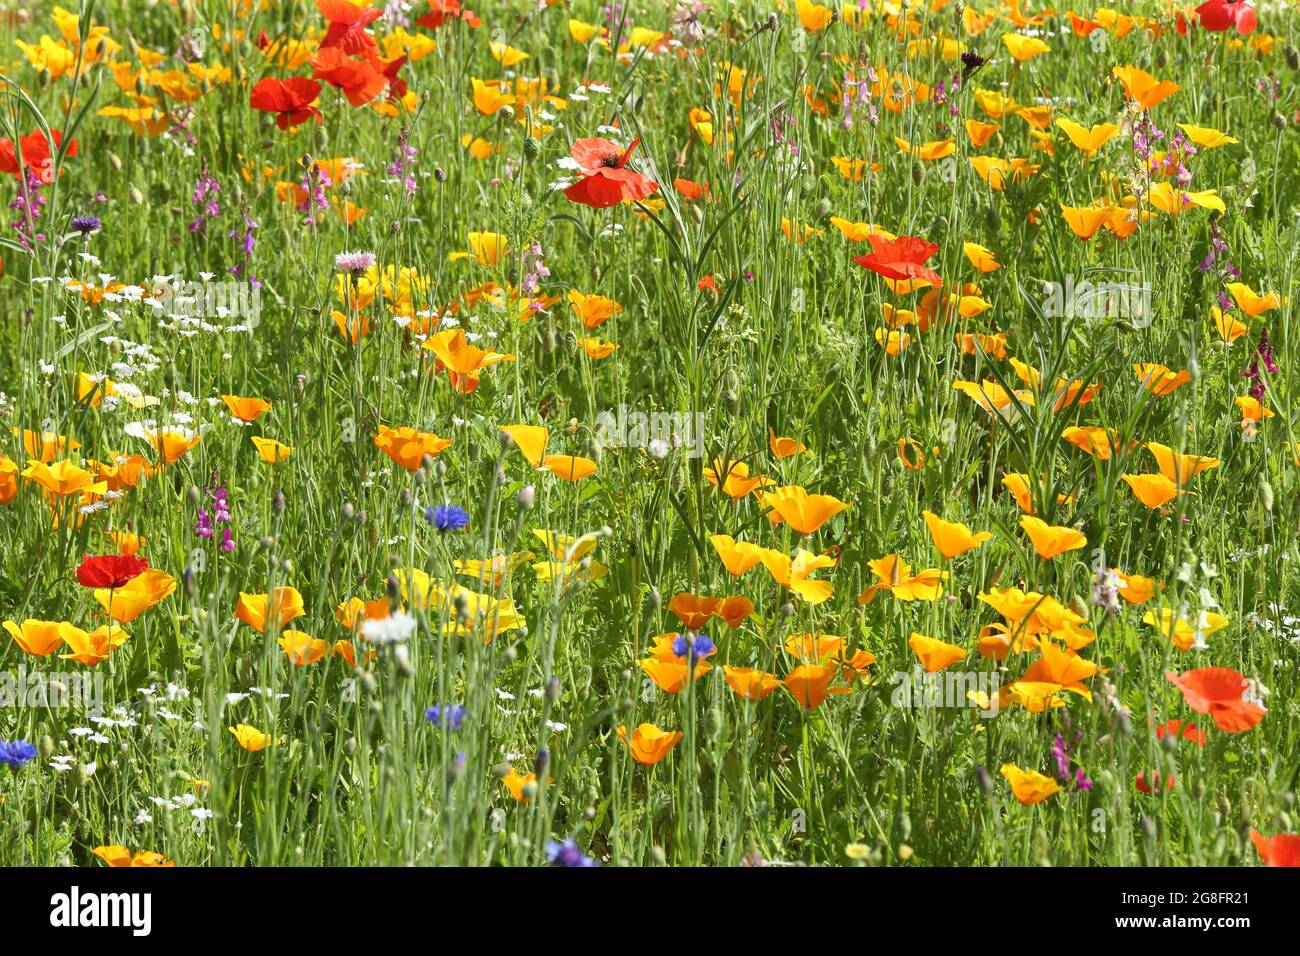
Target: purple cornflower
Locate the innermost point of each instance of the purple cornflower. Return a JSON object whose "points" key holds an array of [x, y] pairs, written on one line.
{"points": [[970, 63], [86, 225], [446, 517], [449, 716], [566, 853], [206, 197], [15, 753], [696, 648]]}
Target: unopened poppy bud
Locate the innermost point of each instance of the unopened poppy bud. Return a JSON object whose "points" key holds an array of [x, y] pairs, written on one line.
{"points": [[278, 503], [439, 174], [349, 511], [823, 208], [787, 609], [1279, 121], [45, 745], [194, 495], [532, 148], [505, 440], [268, 543], [287, 565], [499, 474], [571, 428], [548, 340], [115, 162], [654, 599], [526, 498], [553, 690], [136, 197], [1265, 493], [1162, 58], [500, 770], [657, 852]]}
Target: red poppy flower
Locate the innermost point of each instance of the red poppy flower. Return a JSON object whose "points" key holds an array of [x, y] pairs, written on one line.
{"points": [[1179, 729], [110, 570], [36, 154], [1219, 15], [1154, 785], [901, 258], [359, 81], [440, 11], [610, 181], [1280, 850], [691, 190], [291, 99], [348, 24], [396, 85], [1218, 691]]}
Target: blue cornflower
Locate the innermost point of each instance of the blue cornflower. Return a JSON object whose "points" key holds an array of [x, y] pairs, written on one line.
{"points": [[448, 716], [698, 648], [15, 753], [567, 854], [85, 224], [446, 517]]}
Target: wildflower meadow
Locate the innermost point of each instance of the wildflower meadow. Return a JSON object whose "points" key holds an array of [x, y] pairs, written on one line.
{"points": [[568, 433]]}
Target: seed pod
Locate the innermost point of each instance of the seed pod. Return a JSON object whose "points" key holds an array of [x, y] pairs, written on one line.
{"points": [[1292, 57]]}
